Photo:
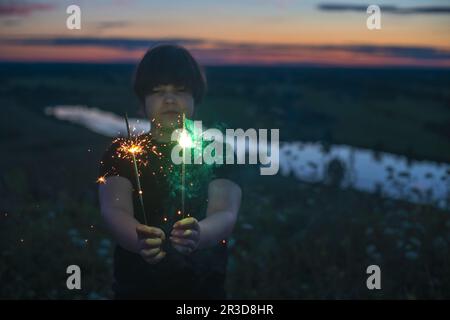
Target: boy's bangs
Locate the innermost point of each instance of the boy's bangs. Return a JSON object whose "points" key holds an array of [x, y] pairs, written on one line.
{"points": [[172, 69]]}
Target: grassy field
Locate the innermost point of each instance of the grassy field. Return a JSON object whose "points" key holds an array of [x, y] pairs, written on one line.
{"points": [[293, 240]]}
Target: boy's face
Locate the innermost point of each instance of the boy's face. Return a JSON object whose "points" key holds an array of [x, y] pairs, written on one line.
{"points": [[167, 103]]}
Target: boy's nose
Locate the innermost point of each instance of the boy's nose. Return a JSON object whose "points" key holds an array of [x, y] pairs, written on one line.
{"points": [[169, 98]]}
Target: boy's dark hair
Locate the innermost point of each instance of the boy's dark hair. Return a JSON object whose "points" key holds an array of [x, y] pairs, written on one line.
{"points": [[169, 64]]}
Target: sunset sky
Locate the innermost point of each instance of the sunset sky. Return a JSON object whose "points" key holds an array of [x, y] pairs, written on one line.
{"points": [[304, 32]]}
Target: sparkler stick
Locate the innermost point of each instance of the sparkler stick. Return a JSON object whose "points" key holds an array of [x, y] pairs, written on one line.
{"points": [[136, 173], [183, 172], [184, 140]]}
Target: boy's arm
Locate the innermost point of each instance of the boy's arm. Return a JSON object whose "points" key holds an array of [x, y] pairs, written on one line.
{"points": [[224, 200], [116, 206]]}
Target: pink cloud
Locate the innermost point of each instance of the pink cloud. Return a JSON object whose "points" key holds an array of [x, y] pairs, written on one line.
{"points": [[23, 9]]}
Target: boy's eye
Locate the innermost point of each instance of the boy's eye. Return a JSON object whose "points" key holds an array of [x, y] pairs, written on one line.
{"points": [[157, 91]]}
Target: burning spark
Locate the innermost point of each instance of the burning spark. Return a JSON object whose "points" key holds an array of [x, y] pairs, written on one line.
{"points": [[185, 140], [101, 180], [133, 148]]}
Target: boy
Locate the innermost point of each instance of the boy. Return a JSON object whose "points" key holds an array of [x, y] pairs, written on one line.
{"points": [[172, 257]]}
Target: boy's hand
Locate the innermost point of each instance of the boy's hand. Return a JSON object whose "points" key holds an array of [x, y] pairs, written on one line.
{"points": [[185, 235], [150, 241]]}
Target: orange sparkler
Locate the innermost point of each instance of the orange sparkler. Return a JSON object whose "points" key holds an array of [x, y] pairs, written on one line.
{"points": [[134, 149]]}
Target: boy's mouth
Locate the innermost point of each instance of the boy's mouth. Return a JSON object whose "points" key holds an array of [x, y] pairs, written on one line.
{"points": [[171, 112]]}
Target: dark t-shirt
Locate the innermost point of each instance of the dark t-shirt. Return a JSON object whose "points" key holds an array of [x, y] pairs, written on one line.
{"points": [[199, 275]]}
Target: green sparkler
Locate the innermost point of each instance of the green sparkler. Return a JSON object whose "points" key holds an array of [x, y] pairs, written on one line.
{"points": [[184, 142], [189, 182]]}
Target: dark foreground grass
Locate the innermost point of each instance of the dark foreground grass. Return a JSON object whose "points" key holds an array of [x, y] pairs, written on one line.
{"points": [[304, 243]]}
